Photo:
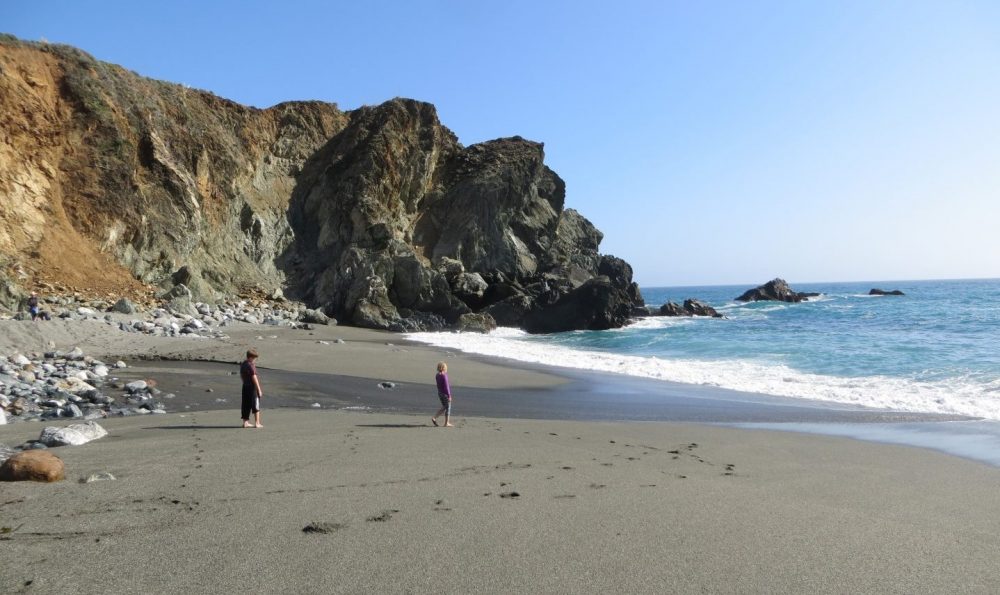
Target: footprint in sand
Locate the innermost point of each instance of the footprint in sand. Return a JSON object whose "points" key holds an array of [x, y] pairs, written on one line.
{"points": [[510, 495], [598, 486], [323, 527], [384, 516], [564, 496], [438, 507]]}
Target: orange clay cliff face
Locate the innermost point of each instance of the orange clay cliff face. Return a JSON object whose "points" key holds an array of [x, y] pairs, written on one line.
{"points": [[115, 184]]}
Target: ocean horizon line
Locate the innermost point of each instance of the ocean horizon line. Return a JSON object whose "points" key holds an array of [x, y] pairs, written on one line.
{"points": [[799, 282]]}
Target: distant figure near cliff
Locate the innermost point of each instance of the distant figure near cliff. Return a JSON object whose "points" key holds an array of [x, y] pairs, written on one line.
{"points": [[34, 308]]}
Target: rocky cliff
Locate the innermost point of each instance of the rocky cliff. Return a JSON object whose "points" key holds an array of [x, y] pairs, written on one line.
{"points": [[115, 183]]}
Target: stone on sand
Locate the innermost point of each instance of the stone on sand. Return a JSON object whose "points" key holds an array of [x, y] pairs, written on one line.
{"points": [[72, 435], [33, 465]]}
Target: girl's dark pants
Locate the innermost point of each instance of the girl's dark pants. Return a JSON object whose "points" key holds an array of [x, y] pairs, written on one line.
{"points": [[249, 404]]}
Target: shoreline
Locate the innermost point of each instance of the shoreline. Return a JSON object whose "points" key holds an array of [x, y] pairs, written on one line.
{"points": [[303, 367]]}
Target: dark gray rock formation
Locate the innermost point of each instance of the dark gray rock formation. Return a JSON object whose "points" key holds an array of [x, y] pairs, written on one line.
{"points": [[478, 323], [884, 292], [673, 309], [691, 307], [124, 306], [399, 226], [596, 305], [311, 316], [697, 308], [776, 290]]}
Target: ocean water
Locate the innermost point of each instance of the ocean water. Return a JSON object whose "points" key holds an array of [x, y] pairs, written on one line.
{"points": [[934, 350]]}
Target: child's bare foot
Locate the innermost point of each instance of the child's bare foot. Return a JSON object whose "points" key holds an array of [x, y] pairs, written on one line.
{"points": [[246, 424], [434, 421], [259, 425], [449, 425]]}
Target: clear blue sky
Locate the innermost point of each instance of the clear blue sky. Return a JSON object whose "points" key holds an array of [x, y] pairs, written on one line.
{"points": [[712, 142]]}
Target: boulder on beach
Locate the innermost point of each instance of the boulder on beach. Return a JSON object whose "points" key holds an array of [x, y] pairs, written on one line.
{"points": [[775, 290], [884, 292], [124, 306], [72, 435], [311, 316], [596, 305], [476, 323], [33, 465]]}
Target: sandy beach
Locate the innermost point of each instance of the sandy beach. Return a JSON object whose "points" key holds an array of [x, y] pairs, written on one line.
{"points": [[332, 500]]}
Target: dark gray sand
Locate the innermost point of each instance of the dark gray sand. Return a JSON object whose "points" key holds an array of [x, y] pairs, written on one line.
{"points": [[333, 500], [348, 502]]}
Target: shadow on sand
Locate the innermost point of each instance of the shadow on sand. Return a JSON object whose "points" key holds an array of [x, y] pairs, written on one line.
{"points": [[195, 427]]}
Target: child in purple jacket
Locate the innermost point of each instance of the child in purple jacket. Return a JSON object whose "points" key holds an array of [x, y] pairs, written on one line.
{"points": [[444, 393]]}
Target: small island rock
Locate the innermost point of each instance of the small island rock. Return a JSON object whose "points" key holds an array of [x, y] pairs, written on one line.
{"points": [[775, 290]]}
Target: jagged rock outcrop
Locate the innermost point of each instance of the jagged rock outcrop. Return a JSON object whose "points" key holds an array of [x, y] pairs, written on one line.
{"points": [[884, 292], [377, 216], [776, 290], [691, 307]]}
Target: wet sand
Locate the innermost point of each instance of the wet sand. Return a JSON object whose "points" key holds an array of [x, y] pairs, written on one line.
{"points": [[561, 394]]}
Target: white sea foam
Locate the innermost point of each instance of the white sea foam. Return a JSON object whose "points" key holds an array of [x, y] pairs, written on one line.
{"points": [[961, 396], [656, 322]]}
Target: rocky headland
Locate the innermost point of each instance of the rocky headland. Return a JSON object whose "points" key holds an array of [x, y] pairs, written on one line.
{"points": [[117, 185]]}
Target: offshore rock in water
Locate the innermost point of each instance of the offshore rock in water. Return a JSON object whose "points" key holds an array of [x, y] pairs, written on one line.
{"points": [[776, 290], [884, 292], [691, 307]]}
